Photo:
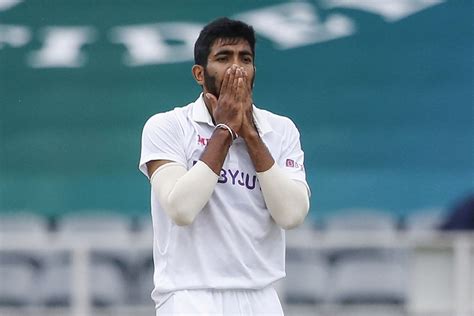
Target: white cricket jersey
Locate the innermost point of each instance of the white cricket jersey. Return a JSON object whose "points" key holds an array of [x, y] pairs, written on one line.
{"points": [[233, 242]]}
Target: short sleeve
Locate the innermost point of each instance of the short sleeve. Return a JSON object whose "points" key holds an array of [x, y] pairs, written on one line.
{"points": [[292, 156], [162, 139]]}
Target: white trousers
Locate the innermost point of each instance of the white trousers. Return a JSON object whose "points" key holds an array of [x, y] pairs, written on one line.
{"points": [[262, 302]]}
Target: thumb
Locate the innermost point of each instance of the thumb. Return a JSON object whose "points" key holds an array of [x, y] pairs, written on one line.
{"points": [[212, 100], [211, 97]]}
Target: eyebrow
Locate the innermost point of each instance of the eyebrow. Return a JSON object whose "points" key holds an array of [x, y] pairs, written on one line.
{"points": [[225, 51]]}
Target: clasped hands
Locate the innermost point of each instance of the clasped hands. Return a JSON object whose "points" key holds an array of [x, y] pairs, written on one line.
{"points": [[234, 105]]}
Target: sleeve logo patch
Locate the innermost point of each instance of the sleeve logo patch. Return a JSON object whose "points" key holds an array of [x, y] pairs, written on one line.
{"points": [[292, 164]]}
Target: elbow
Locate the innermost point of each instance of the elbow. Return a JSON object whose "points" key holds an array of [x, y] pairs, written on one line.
{"points": [[181, 193], [182, 220], [291, 222], [287, 200], [180, 213], [293, 215]]}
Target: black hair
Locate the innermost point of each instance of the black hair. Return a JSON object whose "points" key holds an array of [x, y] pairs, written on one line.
{"points": [[221, 28]]}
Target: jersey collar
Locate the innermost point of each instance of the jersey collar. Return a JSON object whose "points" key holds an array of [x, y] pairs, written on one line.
{"points": [[200, 114]]}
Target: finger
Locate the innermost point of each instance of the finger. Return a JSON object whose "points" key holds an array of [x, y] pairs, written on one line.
{"points": [[235, 85], [240, 85], [244, 91], [212, 100], [230, 83], [247, 82], [225, 81]]}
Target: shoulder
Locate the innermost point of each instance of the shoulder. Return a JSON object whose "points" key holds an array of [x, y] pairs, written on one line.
{"points": [[169, 119], [279, 123]]}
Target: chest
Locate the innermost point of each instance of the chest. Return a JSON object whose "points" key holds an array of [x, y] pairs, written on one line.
{"points": [[238, 169]]}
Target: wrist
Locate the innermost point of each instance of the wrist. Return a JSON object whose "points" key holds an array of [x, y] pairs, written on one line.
{"points": [[223, 135], [229, 129], [250, 135]]}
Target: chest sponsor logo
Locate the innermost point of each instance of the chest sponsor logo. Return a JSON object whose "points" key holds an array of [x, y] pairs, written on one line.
{"points": [[237, 177]]}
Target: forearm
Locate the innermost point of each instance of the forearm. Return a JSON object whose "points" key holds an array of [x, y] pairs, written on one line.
{"points": [[286, 199], [181, 193], [259, 153], [184, 193], [216, 150]]}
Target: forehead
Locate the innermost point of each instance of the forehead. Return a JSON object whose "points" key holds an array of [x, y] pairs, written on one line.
{"points": [[235, 43]]}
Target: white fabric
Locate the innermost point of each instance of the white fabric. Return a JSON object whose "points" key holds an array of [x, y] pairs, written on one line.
{"points": [[233, 242], [264, 302], [182, 193], [286, 199]]}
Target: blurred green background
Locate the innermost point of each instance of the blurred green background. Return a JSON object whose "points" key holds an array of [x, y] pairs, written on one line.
{"points": [[383, 100]]}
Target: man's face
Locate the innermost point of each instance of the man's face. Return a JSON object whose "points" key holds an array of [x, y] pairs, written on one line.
{"points": [[224, 53]]}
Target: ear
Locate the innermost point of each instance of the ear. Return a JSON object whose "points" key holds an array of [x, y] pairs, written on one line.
{"points": [[198, 74]]}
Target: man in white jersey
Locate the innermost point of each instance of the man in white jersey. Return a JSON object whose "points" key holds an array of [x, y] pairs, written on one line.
{"points": [[227, 178]]}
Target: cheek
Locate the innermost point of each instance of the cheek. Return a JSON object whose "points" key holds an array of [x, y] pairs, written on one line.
{"points": [[219, 77], [250, 72]]}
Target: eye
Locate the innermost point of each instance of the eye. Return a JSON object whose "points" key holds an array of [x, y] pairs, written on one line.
{"points": [[221, 58], [247, 60]]}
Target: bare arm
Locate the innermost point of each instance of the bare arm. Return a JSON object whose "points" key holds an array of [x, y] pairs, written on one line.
{"points": [[184, 193], [213, 155], [286, 199]]}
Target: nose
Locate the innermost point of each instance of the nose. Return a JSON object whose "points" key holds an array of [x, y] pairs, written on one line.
{"points": [[237, 60], [237, 64]]}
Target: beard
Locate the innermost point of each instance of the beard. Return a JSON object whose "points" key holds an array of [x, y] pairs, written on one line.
{"points": [[210, 83]]}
